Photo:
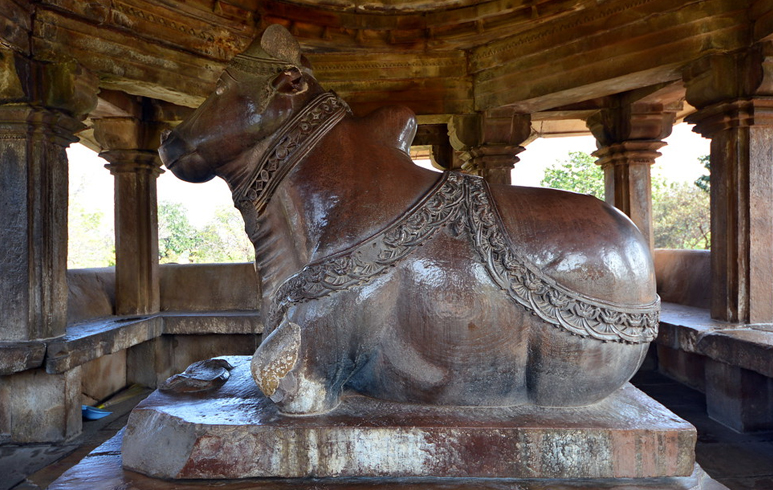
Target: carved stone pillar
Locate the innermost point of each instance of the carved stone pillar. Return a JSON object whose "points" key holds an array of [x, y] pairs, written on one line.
{"points": [[734, 97], [41, 105], [628, 137], [130, 145], [489, 142]]}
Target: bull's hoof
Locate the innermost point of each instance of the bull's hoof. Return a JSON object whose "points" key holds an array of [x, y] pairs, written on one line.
{"points": [[282, 375]]}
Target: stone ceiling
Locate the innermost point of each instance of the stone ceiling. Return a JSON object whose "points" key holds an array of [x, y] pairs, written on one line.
{"points": [[558, 60]]}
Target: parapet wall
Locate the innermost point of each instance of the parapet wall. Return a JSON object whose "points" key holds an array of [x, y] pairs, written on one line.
{"points": [[684, 277], [186, 287]]}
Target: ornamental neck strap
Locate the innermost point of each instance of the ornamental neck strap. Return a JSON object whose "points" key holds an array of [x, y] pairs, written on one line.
{"points": [[293, 142]]}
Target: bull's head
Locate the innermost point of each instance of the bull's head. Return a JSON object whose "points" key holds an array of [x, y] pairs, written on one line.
{"points": [[259, 90]]}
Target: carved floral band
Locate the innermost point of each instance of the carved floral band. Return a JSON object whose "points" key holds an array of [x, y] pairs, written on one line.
{"points": [[293, 142], [464, 202]]}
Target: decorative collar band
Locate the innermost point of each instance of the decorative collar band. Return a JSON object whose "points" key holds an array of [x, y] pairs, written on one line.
{"points": [[293, 142]]}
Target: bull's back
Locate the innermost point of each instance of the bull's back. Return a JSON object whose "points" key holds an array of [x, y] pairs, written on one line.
{"points": [[580, 242]]}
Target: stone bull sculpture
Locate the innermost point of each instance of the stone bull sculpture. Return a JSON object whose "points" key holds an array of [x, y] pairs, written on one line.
{"points": [[400, 283]]}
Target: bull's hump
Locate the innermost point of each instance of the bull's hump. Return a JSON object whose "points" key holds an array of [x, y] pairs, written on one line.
{"points": [[393, 126]]}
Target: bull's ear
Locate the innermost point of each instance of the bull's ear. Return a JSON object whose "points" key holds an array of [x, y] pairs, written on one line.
{"points": [[290, 81], [280, 44]]}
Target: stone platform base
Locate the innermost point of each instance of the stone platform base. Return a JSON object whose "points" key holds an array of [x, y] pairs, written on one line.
{"points": [[102, 470], [235, 432]]}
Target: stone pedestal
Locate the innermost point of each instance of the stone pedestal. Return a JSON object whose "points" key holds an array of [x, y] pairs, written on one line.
{"points": [[233, 439], [235, 432]]}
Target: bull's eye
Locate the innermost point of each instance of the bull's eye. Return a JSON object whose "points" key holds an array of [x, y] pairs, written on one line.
{"points": [[220, 88]]}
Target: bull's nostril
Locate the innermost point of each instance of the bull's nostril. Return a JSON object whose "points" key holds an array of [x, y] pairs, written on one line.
{"points": [[164, 135]]}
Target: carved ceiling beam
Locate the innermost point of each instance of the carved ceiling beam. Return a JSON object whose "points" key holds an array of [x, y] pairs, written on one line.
{"points": [[603, 52], [370, 26]]}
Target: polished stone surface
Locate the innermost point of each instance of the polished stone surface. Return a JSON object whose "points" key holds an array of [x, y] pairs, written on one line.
{"points": [[235, 432]]}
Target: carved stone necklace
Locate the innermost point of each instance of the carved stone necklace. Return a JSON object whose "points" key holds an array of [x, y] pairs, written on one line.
{"points": [[464, 202], [293, 142]]}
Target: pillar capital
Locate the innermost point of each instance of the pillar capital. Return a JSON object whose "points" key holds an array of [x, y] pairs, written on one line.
{"points": [[708, 80], [738, 113], [637, 121], [633, 152], [490, 160], [490, 141], [134, 161]]}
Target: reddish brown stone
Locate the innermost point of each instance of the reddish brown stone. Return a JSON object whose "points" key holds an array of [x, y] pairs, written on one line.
{"points": [[235, 432]]}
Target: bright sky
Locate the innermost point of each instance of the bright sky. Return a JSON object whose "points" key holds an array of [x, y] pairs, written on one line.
{"points": [[679, 162]]}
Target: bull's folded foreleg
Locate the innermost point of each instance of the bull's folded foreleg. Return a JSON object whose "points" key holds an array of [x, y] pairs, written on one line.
{"points": [[286, 373]]}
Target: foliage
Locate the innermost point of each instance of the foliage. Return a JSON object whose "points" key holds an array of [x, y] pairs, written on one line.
{"points": [[176, 236], [680, 211], [579, 173], [704, 182], [224, 239], [221, 240], [681, 216], [90, 240]]}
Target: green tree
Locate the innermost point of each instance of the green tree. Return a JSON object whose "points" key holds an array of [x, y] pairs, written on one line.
{"points": [[578, 173], [680, 210], [177, 238], [681, 216], [223, 239]]}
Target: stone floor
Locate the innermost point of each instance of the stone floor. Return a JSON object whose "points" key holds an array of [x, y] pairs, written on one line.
{"points": [[740, 461]]}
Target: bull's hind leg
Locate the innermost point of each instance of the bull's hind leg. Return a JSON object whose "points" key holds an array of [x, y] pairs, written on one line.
{"points": [[285, 371]]}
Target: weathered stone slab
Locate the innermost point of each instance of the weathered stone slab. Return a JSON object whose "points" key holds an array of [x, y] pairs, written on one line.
{"points": [[213, 322], [682, 327], [748, 348], [89, 341], [102, 469], [20, 356], [39, 407], [235, 432]]}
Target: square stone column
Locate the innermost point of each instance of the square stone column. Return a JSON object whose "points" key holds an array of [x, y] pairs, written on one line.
{"points": [[734, 97], [41, 105], [136, 225], [130, 145], [628, 136]]}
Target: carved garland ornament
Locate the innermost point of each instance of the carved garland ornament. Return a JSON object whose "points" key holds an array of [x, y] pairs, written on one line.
{"points": [[464, 202]]}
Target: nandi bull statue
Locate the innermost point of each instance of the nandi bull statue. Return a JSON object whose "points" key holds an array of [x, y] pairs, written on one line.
{"points": [[399, 283]]}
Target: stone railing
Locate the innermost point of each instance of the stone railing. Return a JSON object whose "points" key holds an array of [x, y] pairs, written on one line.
{"points": [[731, 363]]}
